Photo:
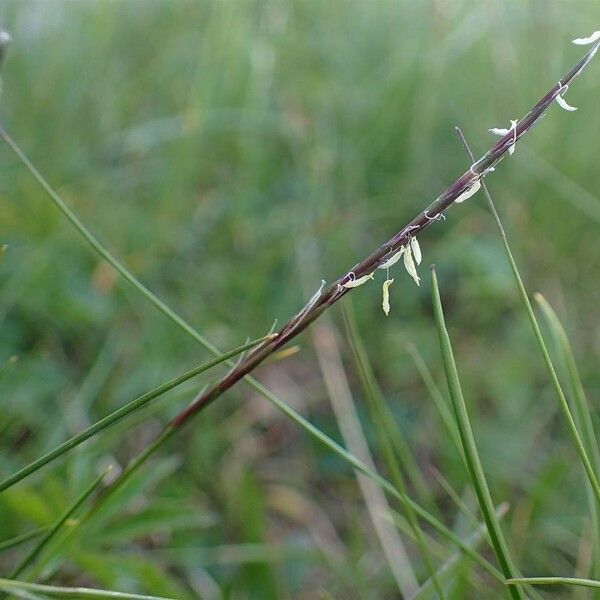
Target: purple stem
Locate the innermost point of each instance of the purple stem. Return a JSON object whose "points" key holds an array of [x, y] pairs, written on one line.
{"points": [[336, 290]]}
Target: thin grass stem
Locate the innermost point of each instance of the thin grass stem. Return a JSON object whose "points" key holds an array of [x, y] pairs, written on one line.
{"points": [[590, 583], [380, 410], [49, 536], [582, 413], [472, 459], [117, 415], [458, 501], [464, 547], [21, 539], [76, 592], [438, 398], [106, 494], [562, 401], [473, 540], [389, 435]]}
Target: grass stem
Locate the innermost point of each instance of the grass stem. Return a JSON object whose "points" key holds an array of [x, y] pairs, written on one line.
{"points": [[471, 454]]}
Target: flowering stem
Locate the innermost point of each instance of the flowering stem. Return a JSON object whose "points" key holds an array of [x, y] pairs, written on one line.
{"points": [[330, 295]]}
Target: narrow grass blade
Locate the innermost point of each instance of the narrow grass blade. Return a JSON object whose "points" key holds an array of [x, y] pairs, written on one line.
{"points": [[590, 583], [562, 401], [582, 412], [379, 408], [35, 552], [457, 541], [21, 539], [38, 590], [436, 395], [338, 388], [404, 499], [468, 443], [447, 569], [108, 493], [117, 415], [582, 408], [134, 465], [391, 440], [458, 501]]}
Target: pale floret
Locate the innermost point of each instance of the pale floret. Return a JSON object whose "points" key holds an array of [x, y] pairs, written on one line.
{"points": [[416, 249], [588, 40], [392, 260], [386, 296], [469, 192], [356, 282], [409, 265], [563, 103]]}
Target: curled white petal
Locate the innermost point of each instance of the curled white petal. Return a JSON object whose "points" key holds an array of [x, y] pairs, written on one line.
{"points": [[588, 40], [409, 265], [564, 104], [416, 250], [356, 282], [386, 296], [502, 131], [392, 260], [469, 192], [499, 131]]}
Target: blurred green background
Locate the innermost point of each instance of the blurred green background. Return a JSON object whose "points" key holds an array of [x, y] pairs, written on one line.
{"points": [[209, 144]]}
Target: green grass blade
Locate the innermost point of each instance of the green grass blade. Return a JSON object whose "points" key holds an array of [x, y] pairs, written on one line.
{"points": [[468, 443], [590, 583], [456, 499], [582, 412], [108, 493], [380, 410], [117, 415], [457, 541], [134, 465], [384, 483], [14, 587], [389, 435], [582, 408], [436, 395], [21, 539], [49, 536], [562, 401], [449, 566], [352, 431]]}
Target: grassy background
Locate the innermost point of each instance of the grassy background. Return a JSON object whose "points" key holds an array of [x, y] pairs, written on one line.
{"points": [[207, 144]]}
